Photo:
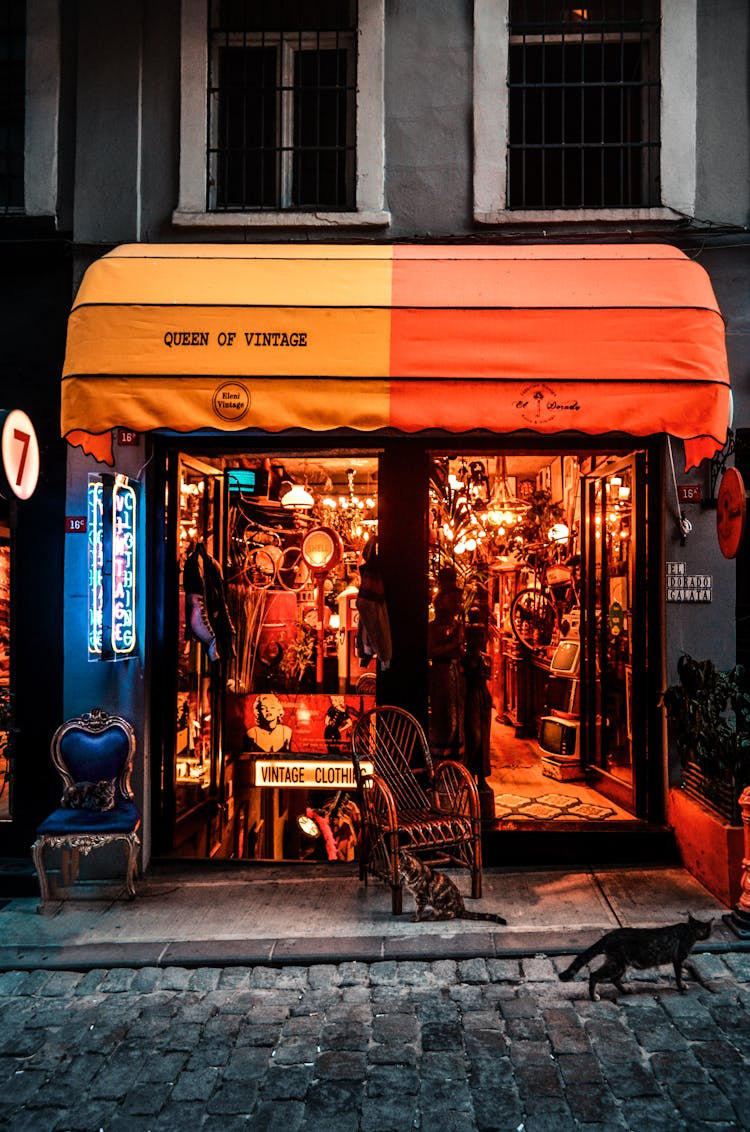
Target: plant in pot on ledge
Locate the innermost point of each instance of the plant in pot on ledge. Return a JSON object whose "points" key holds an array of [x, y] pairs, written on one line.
{"points": [[709, 719]]}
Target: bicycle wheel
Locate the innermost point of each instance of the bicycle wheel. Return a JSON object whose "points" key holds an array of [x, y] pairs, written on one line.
{"points": [[260, 567], [533, 618], [292, 570]]}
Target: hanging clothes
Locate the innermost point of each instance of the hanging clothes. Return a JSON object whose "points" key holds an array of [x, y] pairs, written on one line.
{"points": [[206, 614], [478, 703], [374, 630], [445, 646]]}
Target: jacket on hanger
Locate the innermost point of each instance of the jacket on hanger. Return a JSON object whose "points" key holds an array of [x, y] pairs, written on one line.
{"points": [[208, 618]]}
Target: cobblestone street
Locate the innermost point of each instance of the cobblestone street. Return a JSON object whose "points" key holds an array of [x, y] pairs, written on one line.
{"points": [[454, 1045]]}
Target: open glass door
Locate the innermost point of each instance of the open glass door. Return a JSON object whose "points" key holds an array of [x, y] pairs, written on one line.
{"points": [[198, 762], [614, 541]]}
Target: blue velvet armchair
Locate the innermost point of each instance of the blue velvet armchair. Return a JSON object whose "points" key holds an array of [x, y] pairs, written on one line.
{"points": [[93, 754]]}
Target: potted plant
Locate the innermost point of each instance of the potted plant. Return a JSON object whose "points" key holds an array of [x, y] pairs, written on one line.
{"points": [[709, 718], [708, 712]]}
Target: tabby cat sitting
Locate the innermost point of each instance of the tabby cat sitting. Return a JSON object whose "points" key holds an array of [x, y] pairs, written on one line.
{"points": [[99, 796], [641, 948], [433, 889]]}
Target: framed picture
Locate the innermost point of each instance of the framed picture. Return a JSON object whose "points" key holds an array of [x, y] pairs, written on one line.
{"points": [[313, 723], [544, 479]]}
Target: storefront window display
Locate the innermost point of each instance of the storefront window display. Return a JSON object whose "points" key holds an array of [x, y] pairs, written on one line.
{"points": [[532, 596], [530, 641], [276, 656]]}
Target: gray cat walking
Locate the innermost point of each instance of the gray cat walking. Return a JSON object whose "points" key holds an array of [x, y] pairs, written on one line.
{"points": [[641, 948]]}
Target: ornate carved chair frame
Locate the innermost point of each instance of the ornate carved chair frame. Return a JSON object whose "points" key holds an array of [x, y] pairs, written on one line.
{"points": [[90, 747], [440, 821]]}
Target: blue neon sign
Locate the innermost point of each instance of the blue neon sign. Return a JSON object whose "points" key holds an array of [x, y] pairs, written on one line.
{"points": [[95, 561], [111, 527]]}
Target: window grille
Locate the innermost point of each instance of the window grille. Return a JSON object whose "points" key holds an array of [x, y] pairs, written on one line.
{"points": [[584, 97], [281, 105], [12, 82]]}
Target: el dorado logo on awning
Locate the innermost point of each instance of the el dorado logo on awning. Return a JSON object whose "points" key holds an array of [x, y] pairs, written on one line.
{"points": [[231, 401], [539, 404]]}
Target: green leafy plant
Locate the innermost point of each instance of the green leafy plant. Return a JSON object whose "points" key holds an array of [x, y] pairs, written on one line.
{"points": [[298, 656], [709, 718], [533, 527]]}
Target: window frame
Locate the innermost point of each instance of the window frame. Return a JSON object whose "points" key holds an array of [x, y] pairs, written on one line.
{"points": [[678, 71], [369, 188], [287, 48]]}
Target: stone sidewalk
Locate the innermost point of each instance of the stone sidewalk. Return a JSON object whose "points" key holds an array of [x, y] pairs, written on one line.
{"points": [[490, 1044], [193, 917]]}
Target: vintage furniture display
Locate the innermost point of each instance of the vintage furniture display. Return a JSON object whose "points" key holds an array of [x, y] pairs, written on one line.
{"points": [[439, 821], [93, 754]]}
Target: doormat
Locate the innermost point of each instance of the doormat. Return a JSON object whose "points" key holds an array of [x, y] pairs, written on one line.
{"points": [[547, 807]]}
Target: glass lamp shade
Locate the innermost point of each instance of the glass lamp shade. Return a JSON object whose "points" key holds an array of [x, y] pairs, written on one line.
{"points": [[298, 497]]}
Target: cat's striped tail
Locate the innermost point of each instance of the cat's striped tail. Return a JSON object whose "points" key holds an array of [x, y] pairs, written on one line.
{"points": [[579, 961]]}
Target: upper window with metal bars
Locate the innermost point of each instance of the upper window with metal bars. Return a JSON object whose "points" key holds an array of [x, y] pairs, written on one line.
{"points": [[584, 111], [12, 97], [281, 105], [583, 104], [282, 114]]}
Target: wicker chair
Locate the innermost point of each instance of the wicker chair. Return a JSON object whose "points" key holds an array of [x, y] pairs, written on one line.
{"points": [[92, 748], [438, 820]]}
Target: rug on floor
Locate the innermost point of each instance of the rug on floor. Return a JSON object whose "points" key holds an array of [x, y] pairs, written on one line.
{"points": [[547, 807]]}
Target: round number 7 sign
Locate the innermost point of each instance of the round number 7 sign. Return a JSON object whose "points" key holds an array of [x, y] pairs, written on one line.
{"points": [[20, 452]]}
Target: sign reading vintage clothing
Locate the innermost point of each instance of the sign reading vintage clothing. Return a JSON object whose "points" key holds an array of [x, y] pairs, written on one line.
{"points": [[112, 539], [682, 586], [310, 773]]}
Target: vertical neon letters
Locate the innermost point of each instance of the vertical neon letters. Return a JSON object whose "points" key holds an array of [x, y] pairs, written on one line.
{"points": [[111, 568]]}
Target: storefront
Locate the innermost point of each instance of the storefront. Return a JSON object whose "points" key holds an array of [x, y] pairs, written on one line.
{"points": [[306, 478]]}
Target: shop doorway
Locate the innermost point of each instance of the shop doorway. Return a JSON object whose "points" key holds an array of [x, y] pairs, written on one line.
{"points": [[535, 627], [613, 501]]}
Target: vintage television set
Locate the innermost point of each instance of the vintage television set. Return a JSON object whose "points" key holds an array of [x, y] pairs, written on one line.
{"points": [[562, 696], [558, 737], [566, 658], [248, 483]]}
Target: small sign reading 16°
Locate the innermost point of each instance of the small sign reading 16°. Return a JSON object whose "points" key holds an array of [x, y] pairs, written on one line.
{"points": [[20, 452]]}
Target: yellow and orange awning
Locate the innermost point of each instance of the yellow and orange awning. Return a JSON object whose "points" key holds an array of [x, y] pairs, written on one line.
{"points": [[584, 338]]}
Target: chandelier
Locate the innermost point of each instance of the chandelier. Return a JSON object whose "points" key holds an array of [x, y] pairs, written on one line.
{"points": [[504, 509], [352, 515]]}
